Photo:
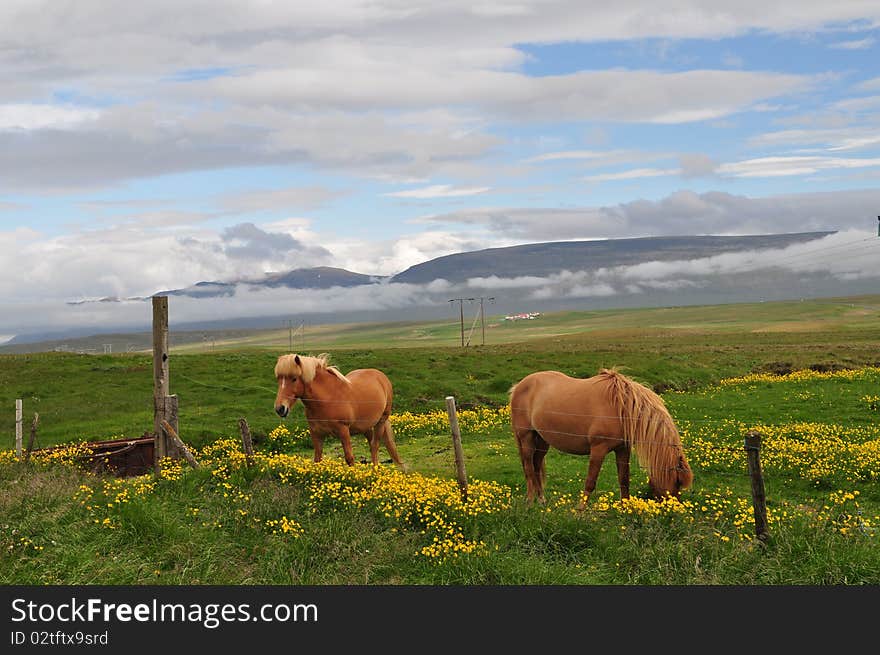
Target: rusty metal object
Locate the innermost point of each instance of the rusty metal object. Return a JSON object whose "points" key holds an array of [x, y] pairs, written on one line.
{"points": [[119, 457]]}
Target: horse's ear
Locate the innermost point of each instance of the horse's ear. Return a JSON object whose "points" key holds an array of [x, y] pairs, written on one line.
{"points": [[296, 360]]}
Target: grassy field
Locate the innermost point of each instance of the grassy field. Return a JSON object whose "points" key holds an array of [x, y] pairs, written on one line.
{"points": [[794, 316], [287, 521]]}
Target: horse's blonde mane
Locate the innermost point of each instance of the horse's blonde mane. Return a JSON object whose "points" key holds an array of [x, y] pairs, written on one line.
{"points": [[306, 367], [649, 428]]}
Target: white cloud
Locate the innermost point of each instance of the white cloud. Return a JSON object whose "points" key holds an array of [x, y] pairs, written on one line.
{"points": [[833, 139], [785, 166], [146, 141], [856, 143], [597, 159], [225, 25], [695, 164], [858, 104], [566, 155], [41, 117], [870, 85], [633, 174], [856, 44], [438, 191], [614, 95], [126, 260], [682, 212], [388, 257], [495, 282]]}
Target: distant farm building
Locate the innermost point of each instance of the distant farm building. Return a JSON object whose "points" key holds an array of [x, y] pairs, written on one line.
{"points": [[530, 316]]}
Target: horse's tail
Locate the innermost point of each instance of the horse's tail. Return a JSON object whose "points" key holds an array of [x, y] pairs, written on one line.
{"points": [[649, 429]]}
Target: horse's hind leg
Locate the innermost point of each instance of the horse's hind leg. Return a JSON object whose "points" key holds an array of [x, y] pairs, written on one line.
{"points": [[541, 448], [386, 432], [525, 441], [373, 439]]}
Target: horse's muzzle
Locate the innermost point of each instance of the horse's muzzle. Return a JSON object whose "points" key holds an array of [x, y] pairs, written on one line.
{"points": [[282, 411]]}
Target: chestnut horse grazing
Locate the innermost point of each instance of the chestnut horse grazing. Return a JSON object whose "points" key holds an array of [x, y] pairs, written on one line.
{"points": [[357, 403], [593, 416]]}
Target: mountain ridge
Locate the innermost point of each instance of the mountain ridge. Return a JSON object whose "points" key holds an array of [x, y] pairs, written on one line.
{"points": [[532, 259], [541, 259], [523, 268]]}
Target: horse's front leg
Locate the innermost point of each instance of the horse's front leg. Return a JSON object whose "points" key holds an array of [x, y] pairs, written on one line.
{"points": [[345, 438], [317, 444], [597, 455]]}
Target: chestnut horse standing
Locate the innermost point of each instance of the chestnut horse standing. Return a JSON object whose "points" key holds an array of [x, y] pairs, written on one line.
{"points": [[594, 416], [357, 403]]}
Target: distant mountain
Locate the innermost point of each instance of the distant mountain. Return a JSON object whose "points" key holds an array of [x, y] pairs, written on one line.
{"points": [[202, 290], [546, 290], [534, 259], [320, 277], [543, 259]]}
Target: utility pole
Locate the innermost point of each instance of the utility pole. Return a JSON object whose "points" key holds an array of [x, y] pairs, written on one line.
{"points": [[461, 316], [481, 316]]}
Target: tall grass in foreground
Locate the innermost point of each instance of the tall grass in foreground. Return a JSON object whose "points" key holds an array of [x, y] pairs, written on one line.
{"points": [[287, 520]]}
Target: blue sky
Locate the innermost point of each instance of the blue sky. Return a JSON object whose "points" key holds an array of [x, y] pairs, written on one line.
{"points": [[372, 136]]}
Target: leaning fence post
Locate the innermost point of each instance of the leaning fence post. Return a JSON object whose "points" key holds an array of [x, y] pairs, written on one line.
{"points": [[456, 444], [759, 500], [246, 440], [172, 435]]}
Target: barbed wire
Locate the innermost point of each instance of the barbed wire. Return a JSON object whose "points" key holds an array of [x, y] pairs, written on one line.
{"points": [[223, 386]]}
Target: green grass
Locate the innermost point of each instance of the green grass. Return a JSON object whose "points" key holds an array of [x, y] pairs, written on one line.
{"points": [[101, 396], [46, 537]]}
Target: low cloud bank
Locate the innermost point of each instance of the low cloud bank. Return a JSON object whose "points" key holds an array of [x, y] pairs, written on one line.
{"points": [[841, 263]]}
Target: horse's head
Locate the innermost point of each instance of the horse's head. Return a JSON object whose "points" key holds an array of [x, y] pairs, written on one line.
{"points": [[674, 482], [288, 372]]}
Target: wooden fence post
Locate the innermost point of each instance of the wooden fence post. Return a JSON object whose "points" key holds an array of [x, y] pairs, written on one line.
{"points": [[18, 428], [171, 415], [759, 500], [246, 441], [160, 376], [456, 444]]}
